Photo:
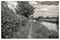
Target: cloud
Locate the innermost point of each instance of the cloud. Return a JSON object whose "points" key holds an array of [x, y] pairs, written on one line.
{"points": [[40, 10], [46, 10]]}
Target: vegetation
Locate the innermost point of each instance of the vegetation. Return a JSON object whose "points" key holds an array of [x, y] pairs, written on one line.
{"points": [[9, 22], [13, 26], [24, 8], [49, 3]]}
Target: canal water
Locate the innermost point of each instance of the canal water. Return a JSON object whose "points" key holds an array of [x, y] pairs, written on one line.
{"points": [[50, 26]]}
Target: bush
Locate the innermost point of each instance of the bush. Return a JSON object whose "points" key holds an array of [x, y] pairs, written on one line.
{"points": [[9, 22]]}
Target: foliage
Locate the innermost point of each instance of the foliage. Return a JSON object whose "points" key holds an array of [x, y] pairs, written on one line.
{"points": [[9, 22], [13, 26], [24, 8], [49, 2]]}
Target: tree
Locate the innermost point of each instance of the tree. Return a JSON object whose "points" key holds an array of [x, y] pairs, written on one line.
{"points": [[9, 22], [49, 2], [47, 17], [24, 8]]}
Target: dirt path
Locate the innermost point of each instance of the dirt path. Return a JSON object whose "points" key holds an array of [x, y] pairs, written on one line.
{"points": [[30, 31]]}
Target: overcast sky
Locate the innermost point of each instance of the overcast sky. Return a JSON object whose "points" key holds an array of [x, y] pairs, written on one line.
{"points": [[40, 10]]}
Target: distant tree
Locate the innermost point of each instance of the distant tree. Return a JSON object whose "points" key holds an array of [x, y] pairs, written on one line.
{"points": [[40, 17], [57, 20], [47, 17], [49, 2], [24, 8]]}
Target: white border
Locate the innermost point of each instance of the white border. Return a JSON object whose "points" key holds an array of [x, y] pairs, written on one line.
{"points": [[29, 0]]}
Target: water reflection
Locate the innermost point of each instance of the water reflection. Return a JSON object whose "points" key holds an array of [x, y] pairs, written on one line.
{"points": [[51, 26]]}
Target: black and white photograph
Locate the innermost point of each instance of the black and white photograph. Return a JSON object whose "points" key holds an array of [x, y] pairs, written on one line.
{"points": [[29, 19]]}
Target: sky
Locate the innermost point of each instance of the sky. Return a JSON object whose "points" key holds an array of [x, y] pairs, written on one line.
{"points": [[45, 10], [40, 10]]}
